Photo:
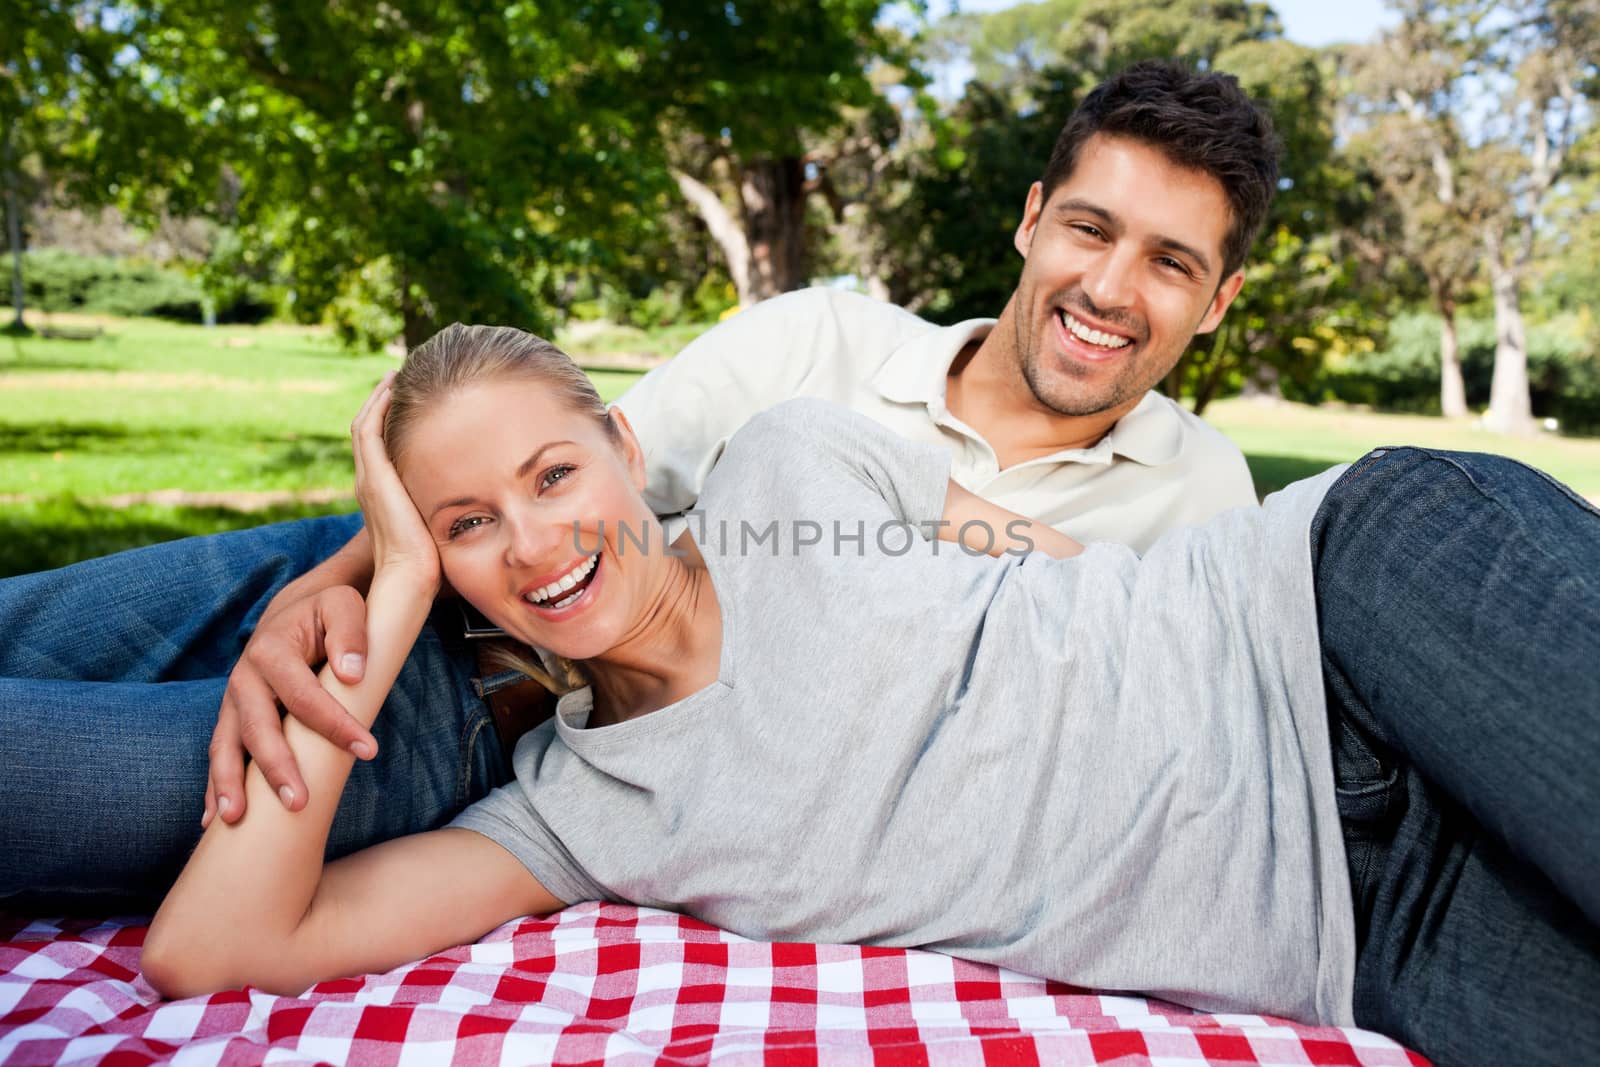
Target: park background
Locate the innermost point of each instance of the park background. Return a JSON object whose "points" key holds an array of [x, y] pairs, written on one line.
{"points": [[227, 218]]}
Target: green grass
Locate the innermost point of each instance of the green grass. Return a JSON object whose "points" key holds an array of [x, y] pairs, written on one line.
{"points": [[41, 535], [1286, 442], [149, 406]]}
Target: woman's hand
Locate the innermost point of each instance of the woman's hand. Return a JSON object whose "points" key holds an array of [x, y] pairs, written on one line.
{"points": [[400, 539]]}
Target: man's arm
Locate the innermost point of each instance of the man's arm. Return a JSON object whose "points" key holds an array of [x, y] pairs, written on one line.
{"points": [[981, 526], [685, 410]]}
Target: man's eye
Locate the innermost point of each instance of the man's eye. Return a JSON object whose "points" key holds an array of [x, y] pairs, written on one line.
{"points": [[555, 474], [1085, 229], [1172, 264], [465, 523]]}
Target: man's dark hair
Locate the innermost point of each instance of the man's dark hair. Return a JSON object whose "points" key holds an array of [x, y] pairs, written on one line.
{"points": [[1204, 122]]}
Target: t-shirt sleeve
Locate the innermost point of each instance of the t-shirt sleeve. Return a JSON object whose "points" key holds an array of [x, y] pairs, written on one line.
{"points": [[812, 460], [508, 818]]}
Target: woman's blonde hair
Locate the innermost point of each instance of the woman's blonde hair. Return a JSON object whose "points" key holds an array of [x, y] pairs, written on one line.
{"points": [[458, 356]]}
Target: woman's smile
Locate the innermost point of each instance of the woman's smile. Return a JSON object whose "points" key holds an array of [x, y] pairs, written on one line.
{"points": [[568, 594]]}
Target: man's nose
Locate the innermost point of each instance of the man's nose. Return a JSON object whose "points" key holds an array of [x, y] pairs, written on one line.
{"points": [[1109, 281]]}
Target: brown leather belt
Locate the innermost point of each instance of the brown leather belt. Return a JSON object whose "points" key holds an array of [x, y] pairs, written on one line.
{"points": [[517, 702]]}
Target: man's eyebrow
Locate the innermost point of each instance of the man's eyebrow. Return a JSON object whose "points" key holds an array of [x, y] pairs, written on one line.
{"points": [[1199, 257], [522, 472], [1077, 205]]}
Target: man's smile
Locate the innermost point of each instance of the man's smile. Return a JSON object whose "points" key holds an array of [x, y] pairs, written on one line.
{"points": [[1088, 334]]}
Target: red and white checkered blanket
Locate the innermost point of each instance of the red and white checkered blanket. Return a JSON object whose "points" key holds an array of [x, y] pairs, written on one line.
{"points": [[627, 985]]}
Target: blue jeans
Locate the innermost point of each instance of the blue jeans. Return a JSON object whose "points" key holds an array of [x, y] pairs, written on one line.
{"points": [[1459, 602], [111, 675]]}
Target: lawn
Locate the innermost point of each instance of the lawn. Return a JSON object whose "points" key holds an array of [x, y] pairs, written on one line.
{"points": [[249, 425]]}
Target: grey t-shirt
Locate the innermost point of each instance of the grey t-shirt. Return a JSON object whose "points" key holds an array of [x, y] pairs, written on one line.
{"points": [[1110, 770]]}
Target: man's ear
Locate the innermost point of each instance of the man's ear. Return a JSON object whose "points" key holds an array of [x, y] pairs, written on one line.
{"points": [[1221, 301], [1030, 219], [628, 443]]}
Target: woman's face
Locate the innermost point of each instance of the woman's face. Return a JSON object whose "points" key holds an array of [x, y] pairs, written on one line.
{"points": [[519, 492]]}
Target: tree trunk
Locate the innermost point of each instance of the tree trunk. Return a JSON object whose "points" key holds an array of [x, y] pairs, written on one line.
{"points": [[416, 319], [1212, 369], [1452, 388], [14, 234], [773, 195], [1510, 400], [724, 229]]}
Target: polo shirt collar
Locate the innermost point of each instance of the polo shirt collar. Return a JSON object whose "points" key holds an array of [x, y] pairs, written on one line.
{"points": [[916, 373]]}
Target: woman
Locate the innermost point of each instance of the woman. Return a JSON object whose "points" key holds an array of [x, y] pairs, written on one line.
{"points": [[1110, 770]]}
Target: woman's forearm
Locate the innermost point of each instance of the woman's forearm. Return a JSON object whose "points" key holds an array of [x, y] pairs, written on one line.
{"points": [[235, 910]]}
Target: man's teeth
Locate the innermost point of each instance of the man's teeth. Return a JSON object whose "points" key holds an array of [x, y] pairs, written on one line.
{"points": [[1094, 337], [562, 584]]}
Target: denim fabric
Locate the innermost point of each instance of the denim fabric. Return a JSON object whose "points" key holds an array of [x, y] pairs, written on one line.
{"points": [[1459, 603], [111, 675]]}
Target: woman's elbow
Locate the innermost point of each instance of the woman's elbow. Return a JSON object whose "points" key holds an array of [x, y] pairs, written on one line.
{"points": [[178, 967], [170, 970]]}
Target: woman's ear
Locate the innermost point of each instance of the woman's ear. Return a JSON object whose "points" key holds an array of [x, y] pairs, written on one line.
{"points": [[628, 444]]}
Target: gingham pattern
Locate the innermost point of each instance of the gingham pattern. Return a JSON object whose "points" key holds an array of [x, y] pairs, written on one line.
{"points": [[626, 985]]}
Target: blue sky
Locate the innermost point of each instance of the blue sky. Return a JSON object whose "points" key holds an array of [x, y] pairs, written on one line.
{"points": [[1309, 22]]}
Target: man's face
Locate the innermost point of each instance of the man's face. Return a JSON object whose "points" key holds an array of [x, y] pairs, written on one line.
{"points": [[1122, 267]]}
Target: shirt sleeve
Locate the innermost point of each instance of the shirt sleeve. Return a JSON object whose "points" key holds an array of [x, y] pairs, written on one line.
{"points": [[508, 817], [685, 410], [811, 460]]}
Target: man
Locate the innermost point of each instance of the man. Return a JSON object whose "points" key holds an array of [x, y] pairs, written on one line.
{"points": [[1132, 242]]}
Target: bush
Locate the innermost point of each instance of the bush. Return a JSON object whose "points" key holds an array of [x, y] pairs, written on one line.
{"points": [[58, 280], [1403, 374]]}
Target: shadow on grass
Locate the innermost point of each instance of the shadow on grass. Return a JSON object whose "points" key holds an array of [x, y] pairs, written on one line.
{"points": [[43, 535], [89, 438], [1272, 473]]}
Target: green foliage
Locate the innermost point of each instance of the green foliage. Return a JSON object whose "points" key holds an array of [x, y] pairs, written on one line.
{"points": [[1403, 374], [57, 280], [956, 225], [365, 312]]}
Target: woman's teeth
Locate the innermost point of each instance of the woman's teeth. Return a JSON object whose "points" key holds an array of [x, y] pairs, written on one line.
{"points": [[543, 594], [1094, 337]]}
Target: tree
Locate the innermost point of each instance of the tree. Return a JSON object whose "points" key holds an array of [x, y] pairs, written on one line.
{"points": [[1406, 96], [468, 152], [57, 69], [1525, 71], [1544, 69], [766, 90], [1008, 50]]}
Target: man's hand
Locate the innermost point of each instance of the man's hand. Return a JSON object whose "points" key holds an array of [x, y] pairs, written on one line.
{"points": [[276, 667]]}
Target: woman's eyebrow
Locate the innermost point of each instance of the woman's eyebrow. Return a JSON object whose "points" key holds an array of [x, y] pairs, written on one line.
{"points": [[533, 460], [522, 472], [456, 503]]}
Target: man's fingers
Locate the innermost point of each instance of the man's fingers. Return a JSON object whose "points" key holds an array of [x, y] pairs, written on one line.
{"points": [[303, 697], [261, 733], [225, 786], [344, 623]]}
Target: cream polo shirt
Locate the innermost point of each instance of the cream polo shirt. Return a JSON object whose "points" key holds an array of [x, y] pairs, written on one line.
{"points": [[1159, 468]]}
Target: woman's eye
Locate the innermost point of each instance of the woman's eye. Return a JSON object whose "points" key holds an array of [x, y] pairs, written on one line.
{"points": [[465, 523], [555, 474]]}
